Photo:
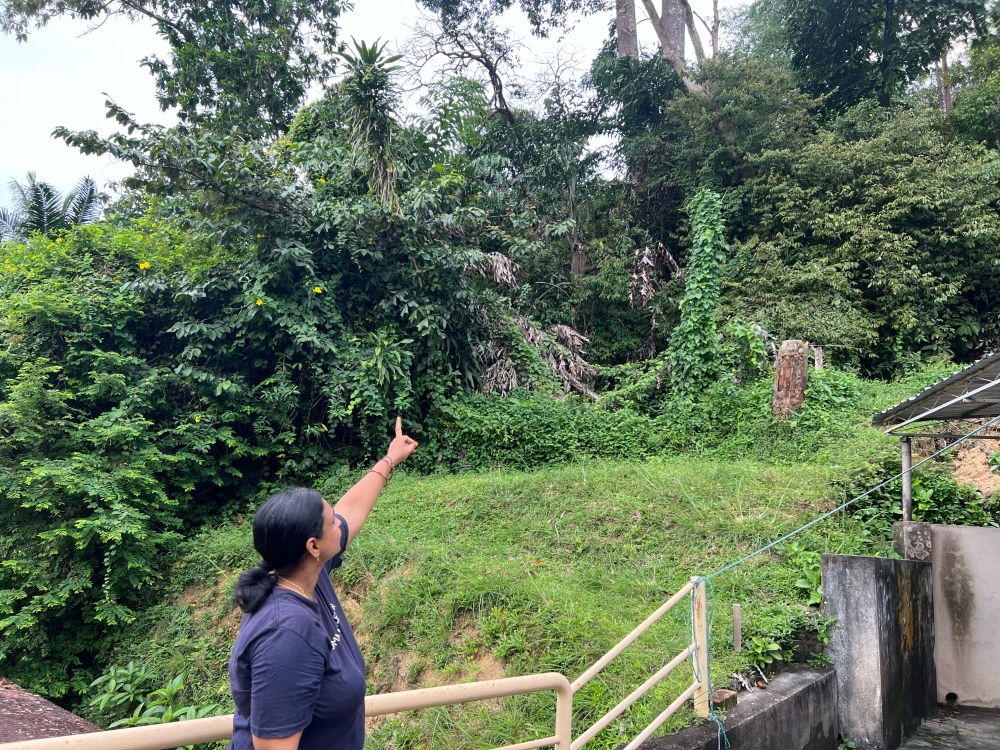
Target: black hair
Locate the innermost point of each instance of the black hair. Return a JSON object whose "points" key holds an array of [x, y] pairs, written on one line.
{"points": [[281, 528]]}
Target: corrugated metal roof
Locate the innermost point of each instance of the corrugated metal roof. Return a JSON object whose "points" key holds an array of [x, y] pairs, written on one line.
{"points": [[985, 403]]}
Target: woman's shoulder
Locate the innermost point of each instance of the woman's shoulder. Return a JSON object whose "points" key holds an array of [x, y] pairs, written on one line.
{"points": [[283, 617]]}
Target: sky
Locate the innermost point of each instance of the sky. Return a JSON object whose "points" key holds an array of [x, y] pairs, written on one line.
{"points": [[64, 73]]}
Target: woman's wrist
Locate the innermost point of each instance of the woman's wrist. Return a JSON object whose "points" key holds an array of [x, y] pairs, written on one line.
{"points": [[376, 470]]}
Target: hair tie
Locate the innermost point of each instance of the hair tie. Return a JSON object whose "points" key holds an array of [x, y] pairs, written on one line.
{"points": [[267, 568]]}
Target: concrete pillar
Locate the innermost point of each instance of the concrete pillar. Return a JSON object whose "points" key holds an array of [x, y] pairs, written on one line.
{"points": [[907, 480], [912, 540], [817, 357], [882, 646]]}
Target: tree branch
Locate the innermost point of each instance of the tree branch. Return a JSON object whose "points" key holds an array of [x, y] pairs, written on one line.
{"points": [[188, 36]]}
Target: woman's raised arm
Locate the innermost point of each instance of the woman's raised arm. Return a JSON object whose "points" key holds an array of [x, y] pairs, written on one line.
{"points": [[358, 501]]}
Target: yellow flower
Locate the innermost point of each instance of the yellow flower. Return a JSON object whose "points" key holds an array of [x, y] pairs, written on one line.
{"points": [[58, 239], [260, 302], [144, 265], [197, 419], [318, 290], [322, 181], [259, 236]]}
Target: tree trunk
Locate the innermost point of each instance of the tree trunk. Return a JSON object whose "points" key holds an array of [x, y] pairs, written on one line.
{"points": [[889, 44], [945, 83], [669, 48], [716, 25], [673, 20], [628, 40], [578, 261], [791, 374]]}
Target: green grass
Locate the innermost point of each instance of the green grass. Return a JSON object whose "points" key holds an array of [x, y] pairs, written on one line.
{"points": [[463, 576]]}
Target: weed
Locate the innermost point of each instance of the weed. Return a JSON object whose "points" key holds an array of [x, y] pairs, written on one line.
{"points": [[763, 652]]}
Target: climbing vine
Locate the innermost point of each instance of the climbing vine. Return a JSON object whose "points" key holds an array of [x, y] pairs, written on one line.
{"points": [[693, 356]]}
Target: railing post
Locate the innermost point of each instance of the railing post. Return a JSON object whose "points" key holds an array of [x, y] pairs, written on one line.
{"points": [[564, 717], [699, 645]]}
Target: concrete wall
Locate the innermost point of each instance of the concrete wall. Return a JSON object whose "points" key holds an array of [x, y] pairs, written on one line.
{"points": [[883, 648], [798, 711], [966, 566]]}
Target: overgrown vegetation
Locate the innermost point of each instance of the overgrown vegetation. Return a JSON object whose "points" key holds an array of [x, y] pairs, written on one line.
{"points": [[582, 339]]}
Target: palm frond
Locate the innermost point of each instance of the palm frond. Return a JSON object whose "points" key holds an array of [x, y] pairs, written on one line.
{"points": [[83, 203], [19, 194], [41, 207], [8, 224]]}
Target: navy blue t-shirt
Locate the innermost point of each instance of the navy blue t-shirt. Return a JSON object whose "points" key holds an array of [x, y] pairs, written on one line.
{"points": [[293, 668]]}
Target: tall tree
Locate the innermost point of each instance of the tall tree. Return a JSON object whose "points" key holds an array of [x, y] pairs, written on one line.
{"points": [[857, 49], [373, 104], [241, 64]]}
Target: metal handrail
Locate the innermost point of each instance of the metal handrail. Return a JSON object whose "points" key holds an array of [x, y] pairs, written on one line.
{"points": [[194, 731], [625, 642], [635, 695], [697, 650]]}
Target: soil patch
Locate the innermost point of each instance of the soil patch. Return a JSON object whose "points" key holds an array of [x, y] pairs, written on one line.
{"points": [[972, 466]]}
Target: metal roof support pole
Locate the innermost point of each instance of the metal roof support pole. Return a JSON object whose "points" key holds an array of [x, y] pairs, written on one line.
{"points": [[907, 479]]}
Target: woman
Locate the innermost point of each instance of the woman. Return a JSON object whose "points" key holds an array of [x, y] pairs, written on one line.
{"points": [[296, 673]]}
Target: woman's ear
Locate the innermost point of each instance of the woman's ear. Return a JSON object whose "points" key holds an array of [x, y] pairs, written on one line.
{"points": [[312, 547]]}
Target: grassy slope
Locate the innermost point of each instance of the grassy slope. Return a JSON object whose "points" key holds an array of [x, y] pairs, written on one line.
{"points": [[457, 577], [469, 576]]}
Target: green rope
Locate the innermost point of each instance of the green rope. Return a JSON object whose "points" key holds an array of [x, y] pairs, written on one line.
{"points": [[850, 502]]}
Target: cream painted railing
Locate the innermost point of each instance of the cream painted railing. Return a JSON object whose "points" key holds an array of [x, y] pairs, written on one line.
{"points": [[175, 734]]}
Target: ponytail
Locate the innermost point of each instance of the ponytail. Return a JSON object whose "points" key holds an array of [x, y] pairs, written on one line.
{"points": [[254, 586], [281, 528]]}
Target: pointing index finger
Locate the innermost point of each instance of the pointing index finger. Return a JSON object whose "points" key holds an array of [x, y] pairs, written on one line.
{"points": [[399, 427]]}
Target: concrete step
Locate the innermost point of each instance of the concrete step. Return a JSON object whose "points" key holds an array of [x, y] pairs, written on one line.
{"points": [[797, 712]]}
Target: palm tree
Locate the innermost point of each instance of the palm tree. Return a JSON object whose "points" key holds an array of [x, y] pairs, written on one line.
{"points": [[39, 207], [373, 101]]}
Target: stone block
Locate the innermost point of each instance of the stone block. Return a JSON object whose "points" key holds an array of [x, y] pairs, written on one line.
{"points": [[912, 540], [966, 565], [883, 646], [723, 699], [798, 711]]}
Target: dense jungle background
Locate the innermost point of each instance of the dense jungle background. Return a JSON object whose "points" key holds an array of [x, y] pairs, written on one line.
{"points": [[600, 275]]}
